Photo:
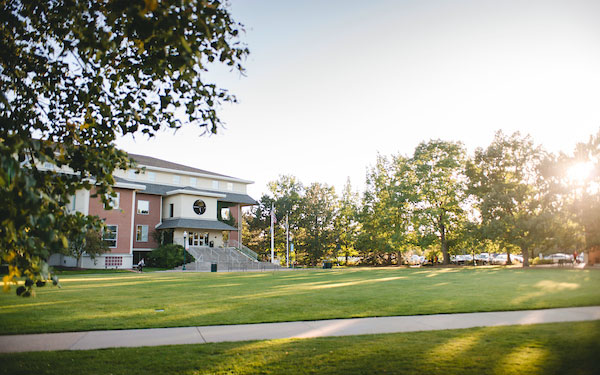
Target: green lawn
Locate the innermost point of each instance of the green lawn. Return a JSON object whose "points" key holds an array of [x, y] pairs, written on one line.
{"points": [[129, 300], [561, 348]]}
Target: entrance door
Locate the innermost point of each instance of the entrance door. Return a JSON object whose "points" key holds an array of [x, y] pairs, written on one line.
{"points": [[198, 239]]}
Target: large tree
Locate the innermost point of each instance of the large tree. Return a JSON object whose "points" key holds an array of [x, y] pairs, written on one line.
{"points": [[585, 183], [317, 220], [74, 75], [440, 187], [503, 179], [386, 218], [346, 222]]}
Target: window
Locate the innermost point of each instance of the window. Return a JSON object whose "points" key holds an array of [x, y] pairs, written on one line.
{"points": [[225, 214], [131, 174], [171, 209], [230, 186], [198, 239], [113, 261], [199, 207], [177, 180], [143, 207], [110, 235], [113, 201], [151, 176], [72, 207], [215, 184], [141, 233], [193, 181]]}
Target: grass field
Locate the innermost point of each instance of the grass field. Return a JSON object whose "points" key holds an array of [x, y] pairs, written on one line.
{"points": [[561, 348], [130, 300]]}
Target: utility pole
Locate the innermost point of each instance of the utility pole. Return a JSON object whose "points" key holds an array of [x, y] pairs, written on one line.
{"points": [[287, 242]]}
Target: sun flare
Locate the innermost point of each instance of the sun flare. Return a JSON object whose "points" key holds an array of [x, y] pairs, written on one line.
{"points": [[580, 171]]}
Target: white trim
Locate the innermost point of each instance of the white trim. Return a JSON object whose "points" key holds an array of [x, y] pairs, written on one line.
{"points": [[132, 222], [198, 193], [211, 176], [128, 185], [159, 212]]}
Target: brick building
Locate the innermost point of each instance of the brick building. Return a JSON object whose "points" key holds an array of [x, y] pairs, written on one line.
{"points": [[161, 199]]}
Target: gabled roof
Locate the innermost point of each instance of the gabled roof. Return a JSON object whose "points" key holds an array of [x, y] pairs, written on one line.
{"points": [[194, 224], [154, 162]]}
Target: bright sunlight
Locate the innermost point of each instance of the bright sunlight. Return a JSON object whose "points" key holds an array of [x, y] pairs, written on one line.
{"points": [[579, 172]]}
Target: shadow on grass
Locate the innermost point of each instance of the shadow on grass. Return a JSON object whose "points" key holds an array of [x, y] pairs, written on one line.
{"points": [[565, 348]]}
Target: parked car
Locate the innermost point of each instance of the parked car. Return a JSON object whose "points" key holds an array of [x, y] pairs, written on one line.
{"points": [[483, 258], [560, 257], [499, 259]]}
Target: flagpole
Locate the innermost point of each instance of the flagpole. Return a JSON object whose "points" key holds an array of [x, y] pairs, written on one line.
{"points": [[272, 236], [287, 242]]}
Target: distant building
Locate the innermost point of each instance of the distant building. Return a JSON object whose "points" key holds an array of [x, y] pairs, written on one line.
{"points": [[163, 199]]}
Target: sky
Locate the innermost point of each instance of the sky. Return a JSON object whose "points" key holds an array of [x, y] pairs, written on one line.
{"points": [[330, 84]]}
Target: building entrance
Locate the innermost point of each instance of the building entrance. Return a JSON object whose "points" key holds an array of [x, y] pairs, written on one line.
{"points": [[198, 239]]}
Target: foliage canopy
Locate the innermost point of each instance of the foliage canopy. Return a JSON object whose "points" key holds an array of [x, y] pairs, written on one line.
{"points": [[74, 75]]}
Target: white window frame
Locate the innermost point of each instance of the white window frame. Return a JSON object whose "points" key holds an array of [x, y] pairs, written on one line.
{"points": [[215, 184], [131, 174], [113, 202], [116, 237], [141, 233], [225, 213], [140, 211], [177, 179], [230, 186], [73, 202], [151, 176], [193, 181]]}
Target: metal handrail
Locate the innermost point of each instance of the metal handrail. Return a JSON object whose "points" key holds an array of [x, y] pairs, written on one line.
{"points": [[243, 249]]}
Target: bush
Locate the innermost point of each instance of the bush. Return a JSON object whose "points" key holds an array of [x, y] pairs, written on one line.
{"points": [[167, 256], [537, 260]]}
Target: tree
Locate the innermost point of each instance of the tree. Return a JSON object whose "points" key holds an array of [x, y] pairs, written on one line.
{"points": [[317, 220], [585, 185], [75, 75], [502, 178], [86, 241], [440, 184], [346, 222], [386, 217]]}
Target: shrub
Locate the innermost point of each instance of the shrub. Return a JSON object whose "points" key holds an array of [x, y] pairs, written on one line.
{"points": [[537, 260], [167, 256]]}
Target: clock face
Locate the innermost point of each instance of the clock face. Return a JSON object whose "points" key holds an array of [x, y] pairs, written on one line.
{"points": [[199, 207]]}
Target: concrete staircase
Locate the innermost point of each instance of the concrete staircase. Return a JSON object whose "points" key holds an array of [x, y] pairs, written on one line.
{"points": [[227, 259]]}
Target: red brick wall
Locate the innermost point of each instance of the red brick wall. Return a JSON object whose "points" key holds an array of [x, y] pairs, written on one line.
{"points": [[594, 256], [151, 220], [120, 216]]}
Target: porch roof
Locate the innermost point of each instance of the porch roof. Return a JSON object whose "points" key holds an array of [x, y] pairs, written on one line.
{"points": [[194, 224]]}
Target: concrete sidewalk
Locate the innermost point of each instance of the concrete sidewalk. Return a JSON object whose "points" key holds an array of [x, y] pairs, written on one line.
{"points": [[305, 329]]}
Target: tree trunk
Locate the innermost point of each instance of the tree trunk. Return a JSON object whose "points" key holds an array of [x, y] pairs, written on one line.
{"points": [[399, 258], [444, 244], [525, 254], [508, 261]]}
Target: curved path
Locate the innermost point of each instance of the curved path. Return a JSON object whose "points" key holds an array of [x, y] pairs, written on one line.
{"points": [[303, 329]]}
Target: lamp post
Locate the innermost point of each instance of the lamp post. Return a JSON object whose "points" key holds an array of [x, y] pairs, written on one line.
{"points": [[185, 247]]}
